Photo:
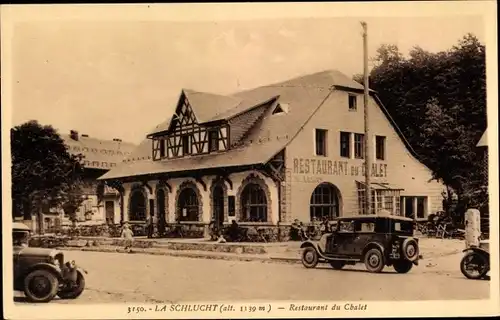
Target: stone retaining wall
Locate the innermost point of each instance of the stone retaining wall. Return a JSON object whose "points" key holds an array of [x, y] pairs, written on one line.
{"points": [[62, 242], [255, 233]]}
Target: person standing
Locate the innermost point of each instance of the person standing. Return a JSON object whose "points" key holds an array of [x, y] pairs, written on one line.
{"points": [[128, 235], [325, 225]]}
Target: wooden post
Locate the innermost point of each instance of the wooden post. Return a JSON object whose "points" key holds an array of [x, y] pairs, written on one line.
{"points": [[472, 228], [367, 150]]}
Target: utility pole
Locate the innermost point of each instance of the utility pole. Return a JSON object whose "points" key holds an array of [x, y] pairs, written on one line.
{"points": [[368, 204]]}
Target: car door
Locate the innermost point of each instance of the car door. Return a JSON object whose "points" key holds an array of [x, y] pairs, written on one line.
{"points": [[364, 232], [345, 236]]}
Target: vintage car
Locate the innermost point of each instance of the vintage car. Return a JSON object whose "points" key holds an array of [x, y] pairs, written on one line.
{"points": [[375, 240], [42, 273]]}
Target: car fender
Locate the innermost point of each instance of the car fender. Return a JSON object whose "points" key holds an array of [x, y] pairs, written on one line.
{"points": [[45, 266], [309, 243], [82, 271], [477, 250], [372, 245]]}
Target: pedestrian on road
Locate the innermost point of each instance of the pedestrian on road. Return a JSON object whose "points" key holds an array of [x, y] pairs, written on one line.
{"points": [[128, 235]]}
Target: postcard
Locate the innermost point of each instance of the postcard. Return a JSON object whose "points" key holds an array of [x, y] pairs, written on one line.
{"points": [[238, 160]]}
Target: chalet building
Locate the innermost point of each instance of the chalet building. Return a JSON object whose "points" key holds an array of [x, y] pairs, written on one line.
{"points": [[267, 156], [99, 157]]}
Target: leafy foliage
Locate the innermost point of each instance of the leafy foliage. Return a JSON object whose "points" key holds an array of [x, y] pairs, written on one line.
{"points": [[43, 172], [439, 102]]}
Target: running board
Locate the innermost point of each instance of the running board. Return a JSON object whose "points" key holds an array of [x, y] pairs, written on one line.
{"points": [[341, 258]]}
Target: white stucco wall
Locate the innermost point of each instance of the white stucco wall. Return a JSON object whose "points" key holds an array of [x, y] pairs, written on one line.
{"points": [[400, 168]]}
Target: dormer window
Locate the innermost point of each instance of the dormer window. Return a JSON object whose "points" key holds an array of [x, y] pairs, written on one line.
{"points": [[186, 144], [281, 108], [213, 140], [162, 148]]}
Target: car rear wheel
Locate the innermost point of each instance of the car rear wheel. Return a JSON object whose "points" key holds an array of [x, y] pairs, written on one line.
{"points": [[41, 285], [73, 292], [374, 260], [310, 257], [337, 264], [402, 266]]}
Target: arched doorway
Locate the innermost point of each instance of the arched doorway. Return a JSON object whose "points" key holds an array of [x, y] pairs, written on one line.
{"points": [[137, 209], [218, 205], [187, 205], [253, 203], [325, 201]]}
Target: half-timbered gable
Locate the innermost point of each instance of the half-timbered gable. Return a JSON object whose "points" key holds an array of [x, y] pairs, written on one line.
{"points": [[194, 130], [191, 130]]}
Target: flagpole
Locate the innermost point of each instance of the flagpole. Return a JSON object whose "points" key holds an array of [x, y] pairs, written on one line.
{"points": [[367, 154]]}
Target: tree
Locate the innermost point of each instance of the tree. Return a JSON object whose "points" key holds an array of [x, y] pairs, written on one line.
{"points": [[43, 172], [439, 102]]}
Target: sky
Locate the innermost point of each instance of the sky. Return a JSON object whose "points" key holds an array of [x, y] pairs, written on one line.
{"points": [[119, 79]]}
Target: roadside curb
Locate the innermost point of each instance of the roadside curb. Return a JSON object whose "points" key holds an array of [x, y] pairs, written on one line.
{"points": [[190, 254], [218, 255]]}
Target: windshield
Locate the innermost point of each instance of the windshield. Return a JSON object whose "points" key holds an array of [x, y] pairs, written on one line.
{"points": [[20, 238]]}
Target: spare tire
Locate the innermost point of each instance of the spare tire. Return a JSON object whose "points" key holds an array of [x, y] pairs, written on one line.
{"points": [[410, 249]]}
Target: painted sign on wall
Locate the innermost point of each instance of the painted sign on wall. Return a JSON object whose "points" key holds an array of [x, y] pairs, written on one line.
{"points": [[313, 167]]}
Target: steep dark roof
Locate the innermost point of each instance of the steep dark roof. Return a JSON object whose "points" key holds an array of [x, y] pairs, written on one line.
{"points": [[268, 136], [206, 107], [98, 153]]}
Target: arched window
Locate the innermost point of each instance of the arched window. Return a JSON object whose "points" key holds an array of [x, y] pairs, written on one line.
{"points": [[187, 205], [253, 204], [160, 203], [324, 202], [137, 211]]}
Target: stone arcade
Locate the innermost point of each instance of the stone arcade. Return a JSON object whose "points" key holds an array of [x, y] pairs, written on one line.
{"points": [[267, 156]]}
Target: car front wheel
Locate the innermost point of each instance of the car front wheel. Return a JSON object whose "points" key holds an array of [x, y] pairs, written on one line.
{"points": [[402, 266], [309, 257], [374, 260], [73, 291], [41, 286], [474, 266]]}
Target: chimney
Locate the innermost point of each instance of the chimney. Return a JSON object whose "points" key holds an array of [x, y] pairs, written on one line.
{"points": [[73, 135]]}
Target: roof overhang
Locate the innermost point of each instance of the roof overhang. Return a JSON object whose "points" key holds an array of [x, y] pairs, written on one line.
{"points": [[183, 173]]}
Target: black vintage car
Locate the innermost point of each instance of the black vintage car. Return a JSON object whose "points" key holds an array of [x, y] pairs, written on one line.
{"points": [[376, 241], [42, 273]]}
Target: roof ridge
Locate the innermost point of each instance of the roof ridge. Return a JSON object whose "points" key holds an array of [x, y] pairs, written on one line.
{"points": [[100, 140], [285, 83]]}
